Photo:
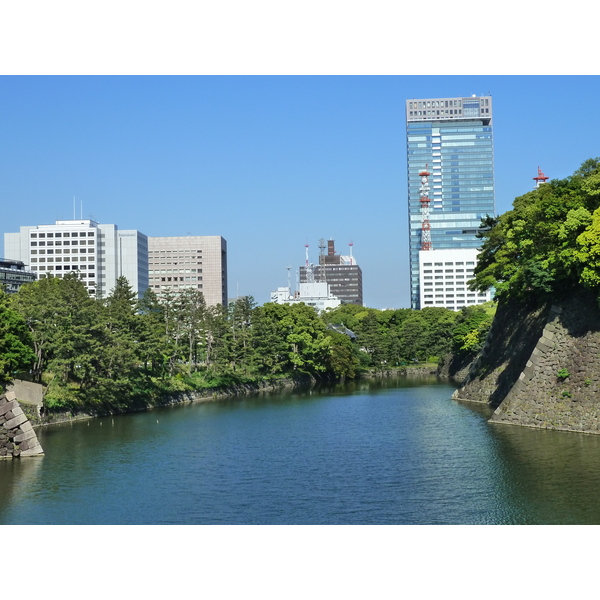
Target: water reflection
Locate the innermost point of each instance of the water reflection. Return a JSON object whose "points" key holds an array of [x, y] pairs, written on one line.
{"points": [[553, 476], [378, 452]]}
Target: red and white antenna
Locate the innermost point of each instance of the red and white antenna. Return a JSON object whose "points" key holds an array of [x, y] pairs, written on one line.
{"points": [[541, 178], [426, 225]]}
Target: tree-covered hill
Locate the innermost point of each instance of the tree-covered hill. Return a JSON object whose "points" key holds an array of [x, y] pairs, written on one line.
{"points": [[548, 244]]}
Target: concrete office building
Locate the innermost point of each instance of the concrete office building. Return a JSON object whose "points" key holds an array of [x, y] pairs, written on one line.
{"points": [[99, 253], [451, 140], [197, 262], [444, 275], [341, 272]]}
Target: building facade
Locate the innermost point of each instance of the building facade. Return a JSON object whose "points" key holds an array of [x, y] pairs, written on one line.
{"points": [[13, 275], [451, 139], [341, 272], [98, 253], [316, 294], [197, 262], [444, 275]]}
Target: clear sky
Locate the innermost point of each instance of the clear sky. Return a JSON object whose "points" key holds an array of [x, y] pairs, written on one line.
{"points": [[270, 163]]}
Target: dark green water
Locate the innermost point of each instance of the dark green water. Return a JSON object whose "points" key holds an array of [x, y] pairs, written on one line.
{"points": [[380, 453]]}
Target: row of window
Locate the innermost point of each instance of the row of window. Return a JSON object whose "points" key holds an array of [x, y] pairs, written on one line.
{"points": [[175, 251], [429, 302], [63, 234], [450, 264], [167, 279], [68, 268], [62, 243], [427, 293], [66, 251], [60, 258], [181, 263], [176, 286], [160, 271]]}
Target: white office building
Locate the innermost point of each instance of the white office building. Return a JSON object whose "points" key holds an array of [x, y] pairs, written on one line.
{"points": [[315, 294], [194, 261], [99, 253], [444, 275]]}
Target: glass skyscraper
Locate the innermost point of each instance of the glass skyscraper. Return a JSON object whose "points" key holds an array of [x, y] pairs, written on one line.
{"points": [[451, 138]]}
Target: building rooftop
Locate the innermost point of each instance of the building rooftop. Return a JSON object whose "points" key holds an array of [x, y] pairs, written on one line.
{"points": [[449, 109]]}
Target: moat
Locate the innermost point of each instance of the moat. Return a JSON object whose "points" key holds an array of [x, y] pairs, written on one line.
{"points": [[378, 452]]}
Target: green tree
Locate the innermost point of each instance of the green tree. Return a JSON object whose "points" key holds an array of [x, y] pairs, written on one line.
{"points": [[151, 333], [16, 346], [343, 359], [414, 334]]}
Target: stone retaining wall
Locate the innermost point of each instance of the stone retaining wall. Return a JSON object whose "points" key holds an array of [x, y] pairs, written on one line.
{"points": [[17, 437], [552, 382]]}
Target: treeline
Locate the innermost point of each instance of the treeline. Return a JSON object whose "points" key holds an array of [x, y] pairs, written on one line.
{"points": [[114, 354]]}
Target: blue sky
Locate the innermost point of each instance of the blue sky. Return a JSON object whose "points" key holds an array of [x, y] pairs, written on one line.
{"points": [[271, 163]]}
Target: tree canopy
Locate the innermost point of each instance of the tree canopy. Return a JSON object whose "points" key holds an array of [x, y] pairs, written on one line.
{"points": [[548, 243]]}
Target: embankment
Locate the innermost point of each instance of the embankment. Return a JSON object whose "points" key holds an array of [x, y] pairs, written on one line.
{"points": [[540, 366]]}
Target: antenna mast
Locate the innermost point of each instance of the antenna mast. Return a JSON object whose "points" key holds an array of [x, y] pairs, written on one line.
{"points": [[310, 275], [351, 257], [426, 225], [322, 271], [541, 178]]}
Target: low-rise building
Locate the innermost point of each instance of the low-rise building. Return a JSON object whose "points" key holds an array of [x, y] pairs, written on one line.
{"points": [[13, 275]]}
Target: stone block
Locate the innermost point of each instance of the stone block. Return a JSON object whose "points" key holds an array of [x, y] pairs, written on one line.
{"points": [[527, 373], [15, 422], [543, 346], [25, 436], [27, 426], [33, 451], [11, 396], [548, 334], [8, 407]]}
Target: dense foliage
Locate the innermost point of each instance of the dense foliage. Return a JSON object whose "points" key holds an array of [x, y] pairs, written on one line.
{"points": [[548, 243], [113, 354]]}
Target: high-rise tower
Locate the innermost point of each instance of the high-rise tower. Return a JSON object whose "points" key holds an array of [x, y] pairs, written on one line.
{"points": [[450, 139]]}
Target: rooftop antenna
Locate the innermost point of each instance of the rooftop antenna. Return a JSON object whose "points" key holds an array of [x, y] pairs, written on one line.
{"points": [[310, 275], [289, 278], [322, 272], [351, 257]]}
